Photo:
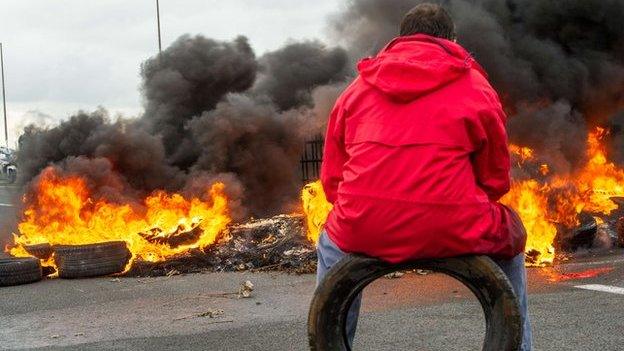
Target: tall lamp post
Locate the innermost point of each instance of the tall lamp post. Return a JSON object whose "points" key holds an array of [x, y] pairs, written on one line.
{"points": [[6, 129], [158, 20]]}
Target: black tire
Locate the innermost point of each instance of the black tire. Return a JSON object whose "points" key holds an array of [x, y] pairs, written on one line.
{"points": [[17, 271], [40, 251], [333, 297], [84, 261]]}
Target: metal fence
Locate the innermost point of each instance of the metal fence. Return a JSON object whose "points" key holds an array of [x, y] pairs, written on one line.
{"points": [[312, 159]]}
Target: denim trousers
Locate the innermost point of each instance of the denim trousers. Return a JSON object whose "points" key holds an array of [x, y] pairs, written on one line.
{"points": [[329, 254]]}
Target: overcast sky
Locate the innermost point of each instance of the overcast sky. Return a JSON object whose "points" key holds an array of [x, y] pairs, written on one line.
{"points": [[64, 55]]}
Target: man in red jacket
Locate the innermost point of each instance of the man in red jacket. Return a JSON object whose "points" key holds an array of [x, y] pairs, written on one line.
{"points": [[416, 159]]}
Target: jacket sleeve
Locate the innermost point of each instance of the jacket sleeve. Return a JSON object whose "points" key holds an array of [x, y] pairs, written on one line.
{"points": [[334, 154], [491, 161]]}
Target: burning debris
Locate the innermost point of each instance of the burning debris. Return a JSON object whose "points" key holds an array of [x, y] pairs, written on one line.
{"points": [[277, 243], [222, 131], [63, 211], [266, 244]]}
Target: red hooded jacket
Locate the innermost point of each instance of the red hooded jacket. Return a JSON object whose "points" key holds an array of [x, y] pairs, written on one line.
{"points": [[416, 157]]}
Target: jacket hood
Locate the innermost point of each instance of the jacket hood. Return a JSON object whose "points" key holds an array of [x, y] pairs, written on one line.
{"points": [[413, 66]]}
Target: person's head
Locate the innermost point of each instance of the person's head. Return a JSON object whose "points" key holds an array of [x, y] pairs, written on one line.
{"points": [[430, 19]]}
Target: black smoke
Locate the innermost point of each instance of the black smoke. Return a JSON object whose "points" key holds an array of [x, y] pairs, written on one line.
{"points": [[291, 72], [213, 110], [556, 64], [188, 78]]}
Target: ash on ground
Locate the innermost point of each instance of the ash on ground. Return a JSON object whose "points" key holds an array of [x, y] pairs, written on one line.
{"points": [[274, 244]]}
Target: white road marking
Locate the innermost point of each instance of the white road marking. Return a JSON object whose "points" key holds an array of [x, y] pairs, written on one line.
{"points": [[602, 288], [6, 205]]}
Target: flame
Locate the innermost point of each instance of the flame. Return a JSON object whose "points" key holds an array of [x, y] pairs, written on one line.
{"points": [[524, 153], [316, 209], [62, 211], [529, 199], [541, 204], [563, 197], [600, 178]]}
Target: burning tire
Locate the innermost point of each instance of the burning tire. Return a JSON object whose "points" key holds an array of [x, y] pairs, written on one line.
{"points": [[333, 297], [40, 251], [93, 260], [17, 271]]}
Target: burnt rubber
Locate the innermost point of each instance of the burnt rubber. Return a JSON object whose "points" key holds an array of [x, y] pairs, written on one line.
{"points": [[333, 297], [84, 261], [41, 251], [17, 271]]}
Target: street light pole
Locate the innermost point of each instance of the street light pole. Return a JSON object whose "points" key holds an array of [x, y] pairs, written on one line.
{"points": [[6, 129], [158, 19]]}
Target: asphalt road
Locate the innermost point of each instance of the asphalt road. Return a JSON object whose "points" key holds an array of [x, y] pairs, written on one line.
{"points": [[416, 312]]}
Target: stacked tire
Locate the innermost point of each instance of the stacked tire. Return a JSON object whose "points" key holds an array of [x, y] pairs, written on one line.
{"points": [[84, 261], [72, 261], [40, 251]]}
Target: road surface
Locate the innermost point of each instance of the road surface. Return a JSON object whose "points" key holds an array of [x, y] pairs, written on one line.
{"points": [[575, 306]]}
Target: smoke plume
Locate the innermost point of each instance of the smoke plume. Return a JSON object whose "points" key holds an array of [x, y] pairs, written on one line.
{"points": [[213, 110], [209, 115], [558, 63]]}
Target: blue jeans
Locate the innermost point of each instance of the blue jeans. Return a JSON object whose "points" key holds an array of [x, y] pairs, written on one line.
{"points": [[329, 254]]}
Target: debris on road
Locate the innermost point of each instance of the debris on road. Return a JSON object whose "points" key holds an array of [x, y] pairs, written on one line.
{"points": [[172, 272], [582, 236], [211, 313], [245, 289], [274, 244], [394, 275]]}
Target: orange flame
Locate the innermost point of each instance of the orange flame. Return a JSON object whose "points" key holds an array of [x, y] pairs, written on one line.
{"points": [[540, 205], [590, 189], [63, 212], [316, 209], [530, 201], [600, 178], [524, 153]]}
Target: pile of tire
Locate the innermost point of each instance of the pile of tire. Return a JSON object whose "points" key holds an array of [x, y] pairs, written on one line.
{"points": [[85, 261], [40, 251], [72, 261]]}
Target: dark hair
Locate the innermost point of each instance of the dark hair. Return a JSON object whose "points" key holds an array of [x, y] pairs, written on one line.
{"points": [[430, 19]]}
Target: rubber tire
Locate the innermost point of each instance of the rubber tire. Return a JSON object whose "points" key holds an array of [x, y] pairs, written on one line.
{"points": [[17, 271], [334, 295], [40, 251], [85, 261]]}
